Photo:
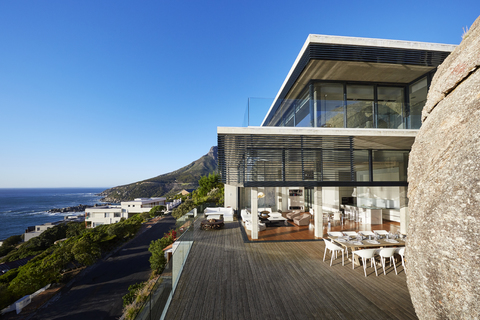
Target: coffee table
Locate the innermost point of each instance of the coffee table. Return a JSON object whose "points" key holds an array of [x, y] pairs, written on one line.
{"points": [[277, 219]]}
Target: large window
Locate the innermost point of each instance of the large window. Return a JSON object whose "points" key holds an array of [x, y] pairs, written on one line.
{"points": [[360, 106], [328, 105], [351, 105], [418, 97], [390, 165], [362, 167], [390, 108]]}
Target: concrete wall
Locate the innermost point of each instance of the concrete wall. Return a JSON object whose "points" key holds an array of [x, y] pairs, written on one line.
{"points": [[231, 198]]}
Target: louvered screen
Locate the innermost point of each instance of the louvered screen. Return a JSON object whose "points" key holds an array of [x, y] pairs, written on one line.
{"points": [[271, 160]]}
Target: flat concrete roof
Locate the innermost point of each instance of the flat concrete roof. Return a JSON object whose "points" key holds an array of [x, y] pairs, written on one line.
{"points": [[319, 131], [375, 42], [399, 139]]}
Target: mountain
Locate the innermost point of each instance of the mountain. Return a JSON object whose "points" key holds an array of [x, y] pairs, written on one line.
{"points": [[166, 184]]}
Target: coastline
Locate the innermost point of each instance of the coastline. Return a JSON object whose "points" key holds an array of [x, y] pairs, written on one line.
{"points": [[23, 208]]}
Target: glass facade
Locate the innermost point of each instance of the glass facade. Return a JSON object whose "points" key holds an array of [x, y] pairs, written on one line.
{"points": [[418, 98], [360, 106], [390, 165], [391, 111], [328, 104], [352, 105]]}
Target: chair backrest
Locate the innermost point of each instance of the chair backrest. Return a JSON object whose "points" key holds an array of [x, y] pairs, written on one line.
{"points": [[335, 234], [381, 232], [387, 252], [366, 253], [331, 246], [401, 251], [350, 233]]}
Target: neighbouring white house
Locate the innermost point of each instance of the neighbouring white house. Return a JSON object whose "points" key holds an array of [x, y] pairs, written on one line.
{"points": [[33, 232], [173, 204], [108, 214]]}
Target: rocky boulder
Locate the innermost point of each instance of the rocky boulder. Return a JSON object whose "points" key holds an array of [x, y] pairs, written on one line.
{"points": [[443, 250]]}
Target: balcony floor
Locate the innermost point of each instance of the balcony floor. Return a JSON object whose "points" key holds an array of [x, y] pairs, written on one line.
{"points": [[227, 278]]}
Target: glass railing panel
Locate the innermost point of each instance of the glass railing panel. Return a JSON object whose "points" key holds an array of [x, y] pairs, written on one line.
{"points": [[365, 113], [256, 110], [162, 292]]}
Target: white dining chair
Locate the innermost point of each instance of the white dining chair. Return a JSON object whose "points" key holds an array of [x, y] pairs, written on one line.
{"points": [[381, 232], [365, 254], [401, 252], [333, 251], [387, 253]]}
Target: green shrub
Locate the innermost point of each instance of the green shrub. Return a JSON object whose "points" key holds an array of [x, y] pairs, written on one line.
{"points": [[158, 260], [132, 293], [12, 240], [75, 229], [156, 211]]}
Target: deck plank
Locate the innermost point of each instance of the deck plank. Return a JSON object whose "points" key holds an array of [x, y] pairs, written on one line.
{"points": [[226, 278]]}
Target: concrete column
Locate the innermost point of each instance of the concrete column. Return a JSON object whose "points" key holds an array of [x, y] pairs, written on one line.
{"points": [[231, 199], [254, 212], [318, 211], [284, 198]]}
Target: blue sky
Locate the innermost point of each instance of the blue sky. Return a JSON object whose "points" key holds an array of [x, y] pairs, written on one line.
{"points": [[104, 93]]}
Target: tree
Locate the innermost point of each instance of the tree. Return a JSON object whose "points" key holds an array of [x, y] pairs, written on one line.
{"points": [[156, 211], [207, 183]]}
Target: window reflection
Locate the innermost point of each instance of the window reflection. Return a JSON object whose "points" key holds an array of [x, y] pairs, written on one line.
{"points": [[360, 106], [390, 108], [390, 165], [418, 98], [328, 103]]}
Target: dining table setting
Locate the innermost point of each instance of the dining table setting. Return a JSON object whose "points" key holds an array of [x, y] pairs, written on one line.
{"points": [[373, 240]]}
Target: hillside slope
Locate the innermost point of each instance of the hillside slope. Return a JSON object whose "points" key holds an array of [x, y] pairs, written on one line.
{"points": [[166, 184]]}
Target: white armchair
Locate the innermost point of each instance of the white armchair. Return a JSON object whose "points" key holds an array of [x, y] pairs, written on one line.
{"points": [[261, 226]]}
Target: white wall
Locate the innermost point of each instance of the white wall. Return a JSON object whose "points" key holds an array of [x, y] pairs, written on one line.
{"points": [[331, 198], [231, 199]]}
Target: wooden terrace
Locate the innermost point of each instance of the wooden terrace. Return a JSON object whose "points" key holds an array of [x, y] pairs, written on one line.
{"points": [[227, 278]]}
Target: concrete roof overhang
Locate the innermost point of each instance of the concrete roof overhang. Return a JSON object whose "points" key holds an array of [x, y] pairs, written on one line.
{"points": [[334, 58], [377, 139]]}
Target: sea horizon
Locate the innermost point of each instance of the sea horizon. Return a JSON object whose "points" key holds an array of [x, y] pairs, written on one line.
{"points": [[24, 207]]}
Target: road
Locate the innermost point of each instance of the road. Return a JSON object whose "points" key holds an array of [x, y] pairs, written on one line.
{"points": [[98, 293]]}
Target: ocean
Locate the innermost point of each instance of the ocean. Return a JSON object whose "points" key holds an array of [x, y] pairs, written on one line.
{"points": [[20, 208]]}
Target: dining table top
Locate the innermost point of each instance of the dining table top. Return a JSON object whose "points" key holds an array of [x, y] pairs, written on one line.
{"points": [[354, 243]]}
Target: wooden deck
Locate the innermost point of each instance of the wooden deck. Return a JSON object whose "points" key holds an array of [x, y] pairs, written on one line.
{"points": [[226, 278]]}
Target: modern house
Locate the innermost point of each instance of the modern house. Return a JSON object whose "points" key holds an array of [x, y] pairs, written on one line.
{"points": [[99, 215], [338, 135], [35, 231]]}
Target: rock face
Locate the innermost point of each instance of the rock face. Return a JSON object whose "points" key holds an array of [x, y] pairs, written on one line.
{"points": [[443, 250]]}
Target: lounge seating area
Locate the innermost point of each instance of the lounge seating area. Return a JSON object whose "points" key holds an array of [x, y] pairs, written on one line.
{"points": [[272, 219], [227, 213], [302, 220]]}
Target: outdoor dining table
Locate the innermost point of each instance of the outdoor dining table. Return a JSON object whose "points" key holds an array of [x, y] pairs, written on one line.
{"points": [[354, 244]]}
